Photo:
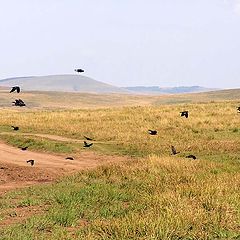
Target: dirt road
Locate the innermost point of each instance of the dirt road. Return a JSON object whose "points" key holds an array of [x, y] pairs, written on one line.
{"points": [[15, 172]]}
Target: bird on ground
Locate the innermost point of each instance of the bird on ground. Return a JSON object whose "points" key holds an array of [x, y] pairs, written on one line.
{"points": [[15, 128], [19, 102], [69, 158], [184, 114], [238, 108], [152, 132], [31, 162], [24, 148], [174, 151], [191, 156], [90, 139], [16, 88], [87, 144], [79, 70]]}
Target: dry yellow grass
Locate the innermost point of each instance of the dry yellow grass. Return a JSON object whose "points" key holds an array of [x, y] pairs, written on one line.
{"points": [[211, 128], [64, 100], [155, 197]]}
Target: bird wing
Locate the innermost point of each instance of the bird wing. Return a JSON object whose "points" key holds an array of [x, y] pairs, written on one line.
{"points": [[12, 90], [174, 150]]}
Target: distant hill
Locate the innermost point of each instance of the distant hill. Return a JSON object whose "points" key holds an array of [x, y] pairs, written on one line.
{"points": [[76, 100], [62, 83], [173, 90]]}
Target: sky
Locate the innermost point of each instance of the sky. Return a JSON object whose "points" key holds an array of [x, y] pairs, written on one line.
{"points": [[162, 43]]}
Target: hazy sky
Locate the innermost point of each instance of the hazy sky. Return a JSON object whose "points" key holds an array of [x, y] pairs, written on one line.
{"points": [[124, 42]]}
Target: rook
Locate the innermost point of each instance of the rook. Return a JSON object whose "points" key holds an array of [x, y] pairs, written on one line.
{"points": [[31, 162], [152, 132], [184, 114]]}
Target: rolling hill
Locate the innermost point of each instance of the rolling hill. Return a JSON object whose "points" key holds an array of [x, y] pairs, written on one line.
{"points": [[80, 83], [170, 90], [75, 100], [62, 83]]}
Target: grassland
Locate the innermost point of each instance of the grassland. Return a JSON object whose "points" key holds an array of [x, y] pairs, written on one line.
{"points": [[153, 196], [64, 100]]}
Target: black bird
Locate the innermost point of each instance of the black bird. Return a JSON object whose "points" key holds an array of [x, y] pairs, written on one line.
{"points": [[15, 128], [191, 156], [184, 114], [238, 108], [69, 158], [90, 139], [24, 148], [174, 151], [16, 88], [152, 132], [79, 70], [19, 102], [31, 162], [87, 144]]}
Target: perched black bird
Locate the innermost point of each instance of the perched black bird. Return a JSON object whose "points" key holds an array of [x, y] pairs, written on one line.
{"points": [[238, 108], [184, 114], [87, 144], [16, 88], [174, 151], [79, 70], [191, 156], [90, 139], [69, 158], [152, 132], [24, 148], [15, 128], [31, 162], [19, 102]]}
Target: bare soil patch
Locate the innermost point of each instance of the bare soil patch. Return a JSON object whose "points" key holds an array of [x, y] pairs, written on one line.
{"points": [[16, 173]]}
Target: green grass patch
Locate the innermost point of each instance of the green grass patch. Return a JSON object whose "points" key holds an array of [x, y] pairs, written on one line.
{"points": [[38, 144], [137, 200]]}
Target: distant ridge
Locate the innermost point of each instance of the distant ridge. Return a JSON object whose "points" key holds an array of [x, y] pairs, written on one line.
{"points": [[62, 83], [170, 90]]}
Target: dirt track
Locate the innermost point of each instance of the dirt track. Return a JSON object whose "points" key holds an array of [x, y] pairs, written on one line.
{"points": [[15, 172], [54, 137]]}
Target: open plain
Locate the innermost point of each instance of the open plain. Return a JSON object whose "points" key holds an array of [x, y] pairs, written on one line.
{"points": [[127, 185]]}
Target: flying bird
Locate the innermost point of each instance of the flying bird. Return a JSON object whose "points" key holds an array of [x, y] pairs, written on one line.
{"points": [[152, 132], [87, 144], [15, 128], [31, 162], [69, 158], [90, 139], [19, 102], [174, 151], [16, 88], [24, 148], [191, 156], [184, 114], [79, 70]]}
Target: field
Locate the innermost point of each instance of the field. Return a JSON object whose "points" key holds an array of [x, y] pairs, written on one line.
{"points": [[66, 100], [148, 193]]}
